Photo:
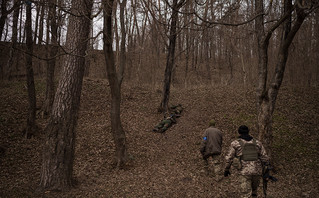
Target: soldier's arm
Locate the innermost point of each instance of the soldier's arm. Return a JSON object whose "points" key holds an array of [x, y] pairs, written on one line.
{"points": [[230, 156], [263, 155], [204, 142]]}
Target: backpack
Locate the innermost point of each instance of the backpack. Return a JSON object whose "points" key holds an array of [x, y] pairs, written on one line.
{"points": [[250, 152]]}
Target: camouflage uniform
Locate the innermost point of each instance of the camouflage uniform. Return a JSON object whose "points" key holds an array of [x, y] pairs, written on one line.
{"points": [[177, 110], [165, 124], [250, 171]]}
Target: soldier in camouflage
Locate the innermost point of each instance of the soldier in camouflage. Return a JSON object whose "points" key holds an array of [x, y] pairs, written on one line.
{"points": [[165, 124], [250, 171], [177, 110]]}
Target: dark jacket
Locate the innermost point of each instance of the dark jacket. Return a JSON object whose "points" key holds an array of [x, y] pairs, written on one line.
{"points": [[212, 142]]}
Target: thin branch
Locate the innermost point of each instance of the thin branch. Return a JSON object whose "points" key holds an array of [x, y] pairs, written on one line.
{"points": [[225, 23]]}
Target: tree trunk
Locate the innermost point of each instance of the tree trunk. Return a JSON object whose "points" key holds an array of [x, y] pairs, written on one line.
{"points": [[123, 41], [115, 86], [20, 24], [3, 16], [53, 50], [40, 38], [316, 46], [36, 23], [31, 125], [267, 95], [170, 57], [14, 42], [58, 153]]}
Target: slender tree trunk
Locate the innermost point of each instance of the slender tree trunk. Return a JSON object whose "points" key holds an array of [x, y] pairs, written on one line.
{"points": [[31, 125], [187, 33], [123, 41], [115, 86], [53, 50], [36, 22], [116, 34], [3, 16], [21, 30], [14, 42], [316, 46], [170, 57], [187, 54], [58, 153], [40, 38]]}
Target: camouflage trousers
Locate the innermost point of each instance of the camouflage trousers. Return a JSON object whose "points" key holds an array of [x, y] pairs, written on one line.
{"points": [[249, 185], [215, 160]]}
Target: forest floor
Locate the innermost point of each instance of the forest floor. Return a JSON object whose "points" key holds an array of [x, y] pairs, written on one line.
{"points": [[167, 164]]}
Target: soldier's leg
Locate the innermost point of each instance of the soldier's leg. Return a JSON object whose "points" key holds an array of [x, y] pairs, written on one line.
{"points": [[165, 126], [206, 163], [254, 184], [217, 164], [245, 185], [163, 129], [158, 127]]}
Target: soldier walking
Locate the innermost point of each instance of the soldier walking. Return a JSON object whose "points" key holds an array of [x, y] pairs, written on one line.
{"points": [[252, 156], [211, 146]]}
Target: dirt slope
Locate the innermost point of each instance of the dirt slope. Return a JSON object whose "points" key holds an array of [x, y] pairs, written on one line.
{"points": [[161, 165]]}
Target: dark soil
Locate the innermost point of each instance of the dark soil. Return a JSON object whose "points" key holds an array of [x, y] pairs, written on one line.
{"points": [[161, 165]]}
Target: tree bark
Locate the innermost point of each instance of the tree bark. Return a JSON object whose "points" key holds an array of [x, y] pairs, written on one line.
{"points": [[115, 86], [267, 95], [36, 22], [53, 50], [58, 153], [14, 41], [3, 17], [40, 37], [31, 125], [170, 57], [123, 41], [21, 32], [5, 12]]}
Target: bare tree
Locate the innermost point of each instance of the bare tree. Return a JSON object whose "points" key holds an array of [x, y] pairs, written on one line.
{"points": [[4, 14], [123, 41], [38, 6], [31, 125], [59, 144], [14, 40], [316, 45], [53, 50], [41, 23], [170, 56], [115, 86], [4, 11], [267, 93]]}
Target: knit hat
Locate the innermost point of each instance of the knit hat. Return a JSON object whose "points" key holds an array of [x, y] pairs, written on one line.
{"points": [[212, 123], [243, 129]]}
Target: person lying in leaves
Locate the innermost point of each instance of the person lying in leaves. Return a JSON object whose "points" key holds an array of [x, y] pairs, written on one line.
{"points": [[177, 110], [165, 124]]}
